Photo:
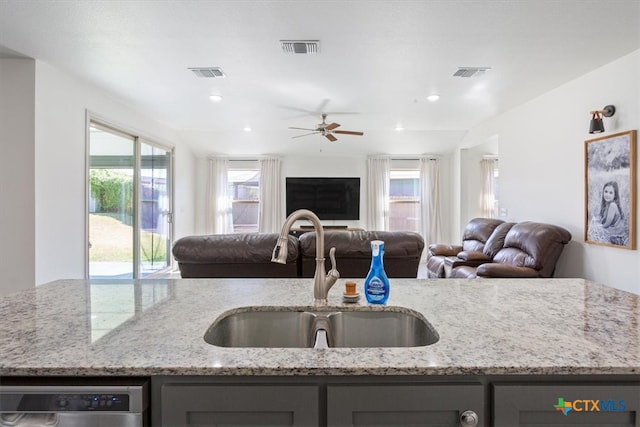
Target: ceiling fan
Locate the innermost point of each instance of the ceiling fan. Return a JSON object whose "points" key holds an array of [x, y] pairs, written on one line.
{"points": [[327, 130]]}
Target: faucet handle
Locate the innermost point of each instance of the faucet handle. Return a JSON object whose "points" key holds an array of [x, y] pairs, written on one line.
{"points": [[333, 274], [332, 257]]}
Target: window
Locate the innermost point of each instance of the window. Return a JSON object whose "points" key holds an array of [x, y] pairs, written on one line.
{"points": [[489, 196], [496, 188], [404, 200], [244, 191]]}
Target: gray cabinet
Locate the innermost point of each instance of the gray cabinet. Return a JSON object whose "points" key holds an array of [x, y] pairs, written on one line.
{"points": [[547, 405], [425, 401], [405, 405], [201, 405]]}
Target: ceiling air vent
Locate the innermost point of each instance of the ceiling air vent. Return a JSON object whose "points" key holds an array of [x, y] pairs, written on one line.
{"points": [[300, 47], [470, 71], [208, 72]]}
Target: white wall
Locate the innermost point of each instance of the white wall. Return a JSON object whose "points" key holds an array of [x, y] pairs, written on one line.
{"points": [[17, 199], [541, 145], [61, 104], [472, 180], [185, 184], [324, 165]]}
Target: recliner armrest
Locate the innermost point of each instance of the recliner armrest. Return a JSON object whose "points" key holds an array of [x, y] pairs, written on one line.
{"points": [[503, 270], [444, 250], [475, 256]]}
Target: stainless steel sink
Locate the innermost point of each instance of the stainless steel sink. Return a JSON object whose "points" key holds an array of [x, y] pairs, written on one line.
{"points": [[301, 328], [263, 329], [379, 329]]}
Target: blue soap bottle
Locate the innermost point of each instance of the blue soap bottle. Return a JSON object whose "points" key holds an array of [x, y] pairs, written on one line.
{"points": [[376, 285]]}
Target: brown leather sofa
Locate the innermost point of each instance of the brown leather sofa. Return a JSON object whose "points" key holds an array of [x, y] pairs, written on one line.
{"points": [[249, 255], [402, 251], [530, 249], [494, 243], [475, 235], [234, 255]]}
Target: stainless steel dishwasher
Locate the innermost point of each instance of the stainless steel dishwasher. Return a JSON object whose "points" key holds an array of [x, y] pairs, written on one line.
{"points": [[74, 405]]}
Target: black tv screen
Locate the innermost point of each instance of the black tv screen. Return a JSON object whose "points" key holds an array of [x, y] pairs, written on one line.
{"points": [[329, 198]]}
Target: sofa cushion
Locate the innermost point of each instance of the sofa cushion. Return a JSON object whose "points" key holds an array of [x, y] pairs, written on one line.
{"points": [[402, 252], [234, 255], [496, 240], [533, 245], [477, 232], [249, 248]]}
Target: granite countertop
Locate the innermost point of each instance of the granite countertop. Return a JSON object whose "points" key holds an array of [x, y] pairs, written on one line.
{"points": [[156, 327]]}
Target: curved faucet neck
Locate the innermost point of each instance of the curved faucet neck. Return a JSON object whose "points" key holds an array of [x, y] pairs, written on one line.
{"points": [[321, 285]]}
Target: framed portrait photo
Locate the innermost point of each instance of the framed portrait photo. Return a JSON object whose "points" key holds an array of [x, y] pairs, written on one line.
{"points": [[610, 190]]}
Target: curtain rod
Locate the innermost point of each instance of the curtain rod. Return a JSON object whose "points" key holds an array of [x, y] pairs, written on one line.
{"points": [[409, 157], [244, 159]]}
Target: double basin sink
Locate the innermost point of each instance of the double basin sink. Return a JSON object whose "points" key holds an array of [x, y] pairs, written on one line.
{"points": [[290, 327]]}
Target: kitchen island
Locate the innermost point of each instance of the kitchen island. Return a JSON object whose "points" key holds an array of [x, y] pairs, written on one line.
{"points": [[490, 331]]}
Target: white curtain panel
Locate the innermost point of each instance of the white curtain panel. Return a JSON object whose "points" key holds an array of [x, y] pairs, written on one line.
{"points": [[487, 200], [219, 216], [431, 222], [270, 217], [378, 176]]}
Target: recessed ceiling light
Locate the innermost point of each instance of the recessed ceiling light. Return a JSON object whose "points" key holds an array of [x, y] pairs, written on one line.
{"points": [[215, 98], [246, 129], [433, 98], [399, 128]]}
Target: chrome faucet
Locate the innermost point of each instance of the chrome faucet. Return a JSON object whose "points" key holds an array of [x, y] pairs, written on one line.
{"points": [[322, 281]]}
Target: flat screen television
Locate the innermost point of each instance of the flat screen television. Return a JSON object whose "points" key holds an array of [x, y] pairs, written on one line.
{"points": [[329, 198]]}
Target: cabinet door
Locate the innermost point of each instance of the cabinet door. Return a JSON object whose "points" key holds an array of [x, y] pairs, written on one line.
{"points": [[566, 405], [403, 405], [239, 405]]}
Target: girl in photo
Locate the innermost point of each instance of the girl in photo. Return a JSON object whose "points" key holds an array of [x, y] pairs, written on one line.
{"points": [[610, 210]]}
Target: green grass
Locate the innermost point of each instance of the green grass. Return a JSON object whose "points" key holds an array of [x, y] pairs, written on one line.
{"points": [[112, 241]]}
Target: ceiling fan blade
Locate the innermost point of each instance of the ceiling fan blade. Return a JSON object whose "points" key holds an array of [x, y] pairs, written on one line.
{"points": [[332, 126], [291, 127], [306, 134], [331, 137], [348, 132]]}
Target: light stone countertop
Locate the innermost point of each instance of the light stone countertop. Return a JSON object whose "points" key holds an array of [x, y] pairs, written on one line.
{"points": [[156, 327]]}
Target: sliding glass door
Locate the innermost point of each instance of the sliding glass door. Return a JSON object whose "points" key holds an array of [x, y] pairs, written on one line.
{"points": [[129, 209], [155, 212]]}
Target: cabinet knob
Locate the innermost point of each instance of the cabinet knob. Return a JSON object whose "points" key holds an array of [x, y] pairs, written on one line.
{"points": [[468, 419]]}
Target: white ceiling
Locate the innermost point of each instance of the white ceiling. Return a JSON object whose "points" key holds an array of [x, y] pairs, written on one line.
{"points": [[378, 60]]}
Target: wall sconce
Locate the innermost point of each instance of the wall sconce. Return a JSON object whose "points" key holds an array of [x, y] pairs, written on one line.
{"points": [[596, 125]]}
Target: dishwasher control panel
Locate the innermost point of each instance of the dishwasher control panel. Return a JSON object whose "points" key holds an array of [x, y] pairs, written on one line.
{"points": [[88, 402], [36, 402], [84, 399]]}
